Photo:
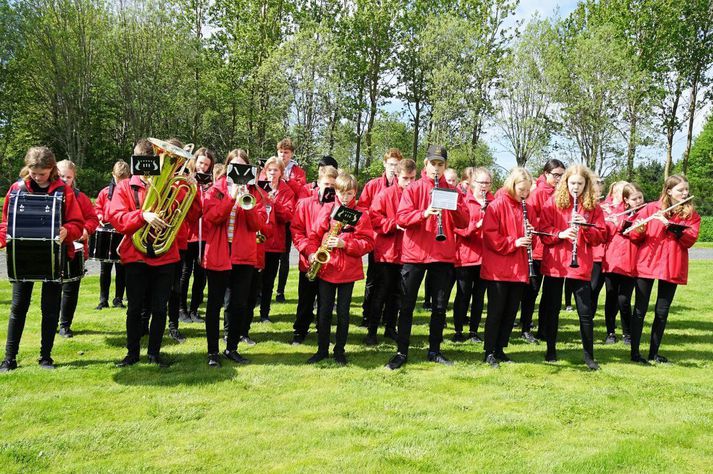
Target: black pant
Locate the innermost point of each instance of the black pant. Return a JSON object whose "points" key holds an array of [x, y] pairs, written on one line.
{"points": [[664, 298], [427, 288], [618, 300], [174, 298], [272, 262], [255, 283], [568, 290], [385, 295], [153, 282], [470, 292], [284, 262], [582, 291], [105, 281], [503, 300], [191, 264], [217, 284], [306, 295], [21, 295], [368, 287], [527, 303], [597, 283], [327, 293], [411, 278], [241, 277], [70, 296]]}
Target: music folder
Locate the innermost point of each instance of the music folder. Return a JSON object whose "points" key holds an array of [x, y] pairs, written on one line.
{"points": [[444, 199], [346, 215], [145, 165], [241, 174]]}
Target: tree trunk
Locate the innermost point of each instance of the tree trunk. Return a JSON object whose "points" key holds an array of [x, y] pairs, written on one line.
{"points": [[416, 127], [631, 148], [671, 130], [691, 117], [358, 145]]}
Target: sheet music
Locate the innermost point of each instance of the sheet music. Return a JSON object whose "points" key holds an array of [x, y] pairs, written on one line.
{"points": [[444, 199]]}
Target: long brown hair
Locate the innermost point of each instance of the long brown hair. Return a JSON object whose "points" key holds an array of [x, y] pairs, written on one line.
{"points": [[684, 211], [629, 190], [588, 199], [40, 157]]}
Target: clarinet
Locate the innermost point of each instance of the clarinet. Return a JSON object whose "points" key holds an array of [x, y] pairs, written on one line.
{"points": [[440, 235], [574, 263], [530, 264]]}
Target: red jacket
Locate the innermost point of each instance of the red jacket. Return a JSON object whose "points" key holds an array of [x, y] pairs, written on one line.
{"points": [[126, 216], [537, 199], [195, 227], [72, 219], [308, 190], [387, 238], [621, 252], [663, 255], [345, 265], [91, 222], [282, 209], [470, 239], [419, 242], [297, 181], [558, 252], [371, 189], [301, 227], [101, 204], [502, 226]]}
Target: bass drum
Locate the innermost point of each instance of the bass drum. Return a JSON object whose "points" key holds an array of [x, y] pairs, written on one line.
{"points": [[74, 269], [103, 244]]}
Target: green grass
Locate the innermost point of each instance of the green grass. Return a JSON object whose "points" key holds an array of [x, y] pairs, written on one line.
{"points": [[704, 245], [278, 414]]}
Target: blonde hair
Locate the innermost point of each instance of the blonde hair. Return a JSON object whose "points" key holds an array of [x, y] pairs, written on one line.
{"points": [[616, 186], [121, 169], [40, 157], [517, 175], [684, 211], [273, 160], [328, 171], [588, 199], [218, 171], [345, 182], [67, 165]]}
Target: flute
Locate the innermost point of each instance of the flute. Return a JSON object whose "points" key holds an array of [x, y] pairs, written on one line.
{"points": [[628, 210], [650, 218], [574, 263], [530, 263]]}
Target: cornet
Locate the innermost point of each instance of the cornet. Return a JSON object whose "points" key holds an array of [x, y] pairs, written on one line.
{"points": [[245, 200]]}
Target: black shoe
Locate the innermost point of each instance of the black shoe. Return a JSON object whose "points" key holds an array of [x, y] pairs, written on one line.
{"points": [[184, 317], [458, 337], [214, 360], [102, 305], [340, 359], [590, 363], [297, 339], [127, 361], [158, 360], [316, 358], [176, 335], [502, 357], [279, 298], [540, 336], [426, 305], [235, 357], [626, 339], [8, 365], [492, 361], [46, 363], [611, 338], [195, 317], [247, 341], [118, 303], [66, 332], [529, 338], [438, 358], [475, 339], [391, 334], [396, 361], [639, 360], [551, 357], [266, 320], [659, 359], [569, 308], [370, 340]]}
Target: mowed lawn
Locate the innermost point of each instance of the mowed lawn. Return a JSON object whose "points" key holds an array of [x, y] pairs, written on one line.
{"points": [[279, 414]]}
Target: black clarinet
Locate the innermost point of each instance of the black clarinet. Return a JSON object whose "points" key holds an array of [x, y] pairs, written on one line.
{"points": [[574, 263], [440, 235], [530, 263]]}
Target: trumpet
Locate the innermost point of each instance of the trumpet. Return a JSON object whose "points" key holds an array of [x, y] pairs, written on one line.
{"points": [[322, 255], [244, 199]]}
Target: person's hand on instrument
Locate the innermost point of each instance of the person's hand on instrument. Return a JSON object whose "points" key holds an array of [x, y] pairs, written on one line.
{"points": [[62, 234], [431, 212], [523, 242], [154, 220], [335, 242], [569, 233]]}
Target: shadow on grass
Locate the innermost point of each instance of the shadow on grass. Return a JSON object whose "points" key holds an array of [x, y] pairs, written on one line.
{"points": [[185, 369]]}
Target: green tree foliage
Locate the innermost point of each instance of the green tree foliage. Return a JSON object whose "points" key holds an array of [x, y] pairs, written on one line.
{"points": [[700, 169]]}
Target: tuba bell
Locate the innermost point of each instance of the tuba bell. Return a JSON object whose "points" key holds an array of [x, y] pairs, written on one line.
{"points": [[169, 195]]}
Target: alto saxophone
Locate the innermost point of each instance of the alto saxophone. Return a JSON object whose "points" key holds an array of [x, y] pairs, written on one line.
{"points": [[322, 255]]}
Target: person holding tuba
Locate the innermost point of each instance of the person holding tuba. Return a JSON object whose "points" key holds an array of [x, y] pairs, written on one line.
{"points": [[149, 251]]}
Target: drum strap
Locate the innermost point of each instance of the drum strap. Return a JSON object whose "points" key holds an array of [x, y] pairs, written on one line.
{"points": [[136, 196]]}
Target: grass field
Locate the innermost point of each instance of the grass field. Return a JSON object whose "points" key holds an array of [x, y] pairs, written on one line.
{"points": [[278, 414]]}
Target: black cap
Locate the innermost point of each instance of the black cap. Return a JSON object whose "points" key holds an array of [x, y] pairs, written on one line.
{"points": [[436, 152], [327, 160]]}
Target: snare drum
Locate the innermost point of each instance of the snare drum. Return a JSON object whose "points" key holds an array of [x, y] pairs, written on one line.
{"points": [[103, 244], [74, 269], [33, 249]]}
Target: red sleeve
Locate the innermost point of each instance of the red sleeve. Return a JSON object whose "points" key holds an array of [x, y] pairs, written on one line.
{"points": [[284, 204], [500, 241], [216, 206], [690, 234], [472, 228], [298, 227], [73, 218], [380, 221], [409, 212], [461, 215], [319, 228], [598, 234], [298, 179], [123, 214], [547, 224], [100, 203], [91, 221], [360, 242], [3, 224], [255, 216]]}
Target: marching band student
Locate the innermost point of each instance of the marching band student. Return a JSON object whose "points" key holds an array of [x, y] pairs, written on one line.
{"points": [[119, 172], [70, 290], [302, 223], [421, 252], [386, 296], [337, 277], [598, 250], [39, 176], [229, 260], [464, 185], [373, 187], [281, 202], [470, 256], [663, 255], [545, 187], [619, 266], [146, 277], [296, 179], [312, 189], [560, 219], [451, 176], [505, 262]]}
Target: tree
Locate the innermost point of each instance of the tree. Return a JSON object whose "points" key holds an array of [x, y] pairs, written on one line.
{"points": [[700, 169]]}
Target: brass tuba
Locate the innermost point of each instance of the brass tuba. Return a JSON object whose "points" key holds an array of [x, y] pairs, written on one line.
{"points": [[162, 197]]}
